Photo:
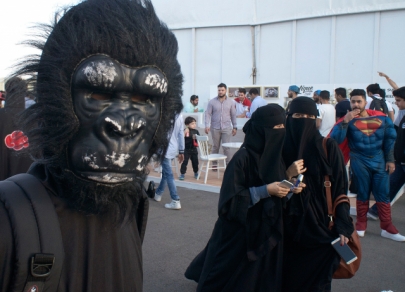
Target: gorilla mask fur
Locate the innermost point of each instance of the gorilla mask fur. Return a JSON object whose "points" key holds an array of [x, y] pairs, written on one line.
{"points": [[108, 87]]}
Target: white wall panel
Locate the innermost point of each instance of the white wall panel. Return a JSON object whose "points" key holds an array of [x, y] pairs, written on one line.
{"points": [[208, 63], [316, 53], [184, 56], [237, 61], [391, 46], [274, 60], [207, 13], [354, 48], [312, 52]]}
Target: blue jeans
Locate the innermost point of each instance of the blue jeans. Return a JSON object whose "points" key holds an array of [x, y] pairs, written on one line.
{"points": [[167, 177], [397, 180]]}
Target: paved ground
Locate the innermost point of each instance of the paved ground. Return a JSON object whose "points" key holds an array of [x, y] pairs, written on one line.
{"points": [[173, 239]]}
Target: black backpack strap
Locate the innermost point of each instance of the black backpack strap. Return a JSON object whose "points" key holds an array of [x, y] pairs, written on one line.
{"points": [[37, 236], [379, 105]]}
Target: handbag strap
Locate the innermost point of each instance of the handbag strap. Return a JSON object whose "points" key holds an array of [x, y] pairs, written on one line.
{"points": [[340, 199], [327, 184]]}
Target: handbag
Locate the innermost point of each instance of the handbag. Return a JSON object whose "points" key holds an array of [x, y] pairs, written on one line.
{"points": [[344, 271]]}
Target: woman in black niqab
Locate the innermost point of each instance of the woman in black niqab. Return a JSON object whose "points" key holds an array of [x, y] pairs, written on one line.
{"points": [[309, 259], [245, 250]]}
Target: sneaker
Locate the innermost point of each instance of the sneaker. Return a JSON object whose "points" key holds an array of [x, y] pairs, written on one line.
{"points": [[175, 205], [181, 177], [361, 232], [396, 237], [195, 175], [157, 198], [371, 214]]}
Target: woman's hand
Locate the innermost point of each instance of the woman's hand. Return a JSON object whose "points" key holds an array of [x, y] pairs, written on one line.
{"points": [[298, 189], [296, 168], [343, 239], [275, 190]]}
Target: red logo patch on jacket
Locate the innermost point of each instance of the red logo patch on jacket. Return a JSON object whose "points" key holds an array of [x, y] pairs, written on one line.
{"points": [[16, 140]]}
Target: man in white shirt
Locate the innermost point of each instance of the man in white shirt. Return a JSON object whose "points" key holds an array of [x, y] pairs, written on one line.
{"points": [[176, 147], [257, 101], [374, 91], [327, 114], [192, 106]]}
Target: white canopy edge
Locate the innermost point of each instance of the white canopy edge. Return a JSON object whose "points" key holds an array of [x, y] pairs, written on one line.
{"points": [[182, 14]]}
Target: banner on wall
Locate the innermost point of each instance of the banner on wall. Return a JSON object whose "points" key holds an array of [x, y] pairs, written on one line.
{"points": [[308, 89]]}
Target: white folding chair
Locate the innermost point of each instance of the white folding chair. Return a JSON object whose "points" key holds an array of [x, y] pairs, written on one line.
{"points": [[207, 158]]}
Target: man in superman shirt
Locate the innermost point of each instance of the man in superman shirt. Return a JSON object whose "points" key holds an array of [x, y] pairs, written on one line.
{"points": [[370, 137]]}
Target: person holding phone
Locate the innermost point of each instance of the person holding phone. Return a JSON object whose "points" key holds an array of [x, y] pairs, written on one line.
{"points": [[307, 238], [245, 250]]}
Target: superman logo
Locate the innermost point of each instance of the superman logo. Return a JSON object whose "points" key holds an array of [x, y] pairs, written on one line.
{"points": [[368, 126]]}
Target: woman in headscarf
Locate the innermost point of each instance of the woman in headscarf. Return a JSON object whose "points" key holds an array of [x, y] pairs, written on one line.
{"points": [[245, 250], [309, 258]]}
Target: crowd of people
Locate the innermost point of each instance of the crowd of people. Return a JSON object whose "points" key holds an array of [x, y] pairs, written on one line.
{"points": [[76, 220], [288, 232]]}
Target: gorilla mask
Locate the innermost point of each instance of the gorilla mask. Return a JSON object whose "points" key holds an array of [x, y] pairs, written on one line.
{"points": [[119, 110], [108, 87]]}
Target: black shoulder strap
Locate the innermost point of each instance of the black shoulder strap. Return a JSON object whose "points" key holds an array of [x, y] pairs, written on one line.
{"points": [[37, 237]]}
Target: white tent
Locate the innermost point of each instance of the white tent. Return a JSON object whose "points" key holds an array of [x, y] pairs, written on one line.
{"points": [[315, 44]]}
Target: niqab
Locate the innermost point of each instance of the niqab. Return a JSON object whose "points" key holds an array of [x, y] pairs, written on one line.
{"points": [[264, 142], [303, 140]]}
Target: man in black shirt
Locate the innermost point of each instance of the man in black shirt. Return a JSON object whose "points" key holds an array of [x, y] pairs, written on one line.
{"points": [[397, 178], [343, 105]]}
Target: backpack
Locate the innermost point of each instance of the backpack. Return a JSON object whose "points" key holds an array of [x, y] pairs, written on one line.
{"points": [[39, 253], [379, 105]]}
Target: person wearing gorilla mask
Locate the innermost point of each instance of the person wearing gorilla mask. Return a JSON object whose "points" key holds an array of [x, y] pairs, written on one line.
{"points": [[245, 250], [307, 241], [108, 86]]}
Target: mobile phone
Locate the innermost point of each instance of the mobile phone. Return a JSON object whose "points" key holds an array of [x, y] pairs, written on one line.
{"points": [[344, 251], [286, 184], [299, 179]]}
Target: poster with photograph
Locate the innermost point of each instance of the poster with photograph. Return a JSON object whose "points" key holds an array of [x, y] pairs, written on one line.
{"points": [[271, 91], [233, 91]]}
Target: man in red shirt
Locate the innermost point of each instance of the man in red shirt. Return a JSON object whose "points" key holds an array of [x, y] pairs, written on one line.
{"points": [[245, 102]]}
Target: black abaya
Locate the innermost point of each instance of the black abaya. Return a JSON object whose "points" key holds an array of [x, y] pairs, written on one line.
{"points": [[309, 259], [245, 250]]}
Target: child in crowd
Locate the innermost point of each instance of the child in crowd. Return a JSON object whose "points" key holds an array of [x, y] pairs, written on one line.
{"points": [[191, 145]]}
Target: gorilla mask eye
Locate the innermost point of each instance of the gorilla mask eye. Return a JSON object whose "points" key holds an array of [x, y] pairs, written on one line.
{"points": [[139, 98], [101, 96]]}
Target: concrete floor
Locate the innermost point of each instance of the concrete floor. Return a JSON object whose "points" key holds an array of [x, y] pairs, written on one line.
{"points": [[174, 238]]}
